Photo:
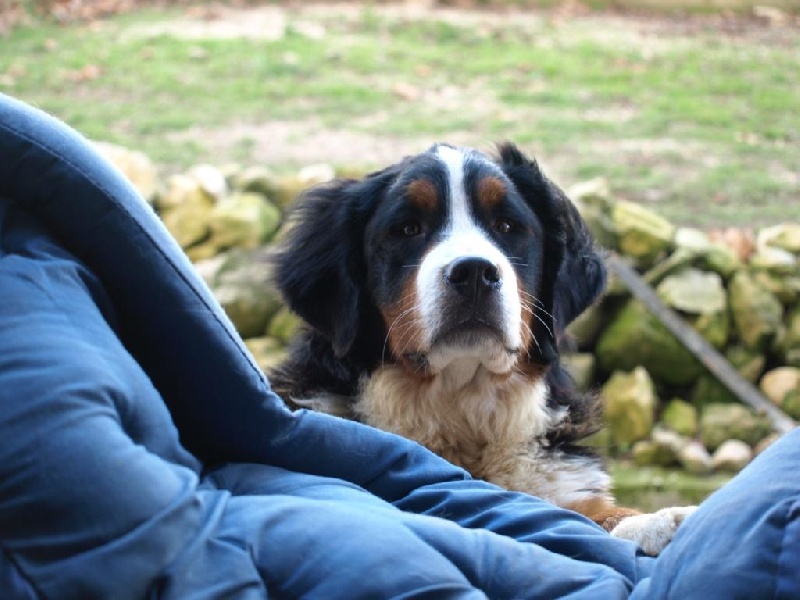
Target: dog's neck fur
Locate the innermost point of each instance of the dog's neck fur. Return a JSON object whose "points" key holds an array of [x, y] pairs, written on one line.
{"points": [[460, 412]]}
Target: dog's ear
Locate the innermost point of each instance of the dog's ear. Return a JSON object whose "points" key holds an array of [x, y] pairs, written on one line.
{"points": [[319, 267], [573, 272]]}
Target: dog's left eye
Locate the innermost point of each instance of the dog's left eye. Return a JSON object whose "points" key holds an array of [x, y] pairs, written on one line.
{"points": [[411, 229], [503, 226]]}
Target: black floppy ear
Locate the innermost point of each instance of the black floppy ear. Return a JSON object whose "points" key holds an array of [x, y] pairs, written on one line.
{"points": [[319, 267], [573, 273]]}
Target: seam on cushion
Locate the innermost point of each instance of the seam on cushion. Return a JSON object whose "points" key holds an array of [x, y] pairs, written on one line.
{"points": [[146, 233]]}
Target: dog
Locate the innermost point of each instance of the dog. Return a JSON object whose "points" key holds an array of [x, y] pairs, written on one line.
{"points": [[435, 294]]}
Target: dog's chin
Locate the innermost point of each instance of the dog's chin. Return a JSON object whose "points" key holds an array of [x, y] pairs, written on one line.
{"points": [[475, 345]]}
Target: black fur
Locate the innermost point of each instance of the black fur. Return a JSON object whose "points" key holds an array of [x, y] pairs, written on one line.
{"points": [[321, 269]]}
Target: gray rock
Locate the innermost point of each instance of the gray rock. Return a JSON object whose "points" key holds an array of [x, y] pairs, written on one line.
{"points": [[695, 459], [188, 221], [243, 287], [709, 390], [668, 440], [635, 337], [256, 179], [693, 239], [211, 180], [201, 251], [777, 383], [785, 236], [316, 174], [732, 456], [630, 401], [283, 325], [600, 225], [756, 313], [720, 259], [595, 193], [588, 325], [677, 261], [720, 422], [135, 166], [648, 453], [789, 347], [581, 367], [643, 234], [786, 288], [209, 268], [791, 403], [748, 363], [681, 417], [693, 291], [775, 260], [244, 220], [287, 190], [183, 189]]}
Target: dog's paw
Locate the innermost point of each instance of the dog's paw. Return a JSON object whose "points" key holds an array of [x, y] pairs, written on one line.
{"points": [[655, 530]]}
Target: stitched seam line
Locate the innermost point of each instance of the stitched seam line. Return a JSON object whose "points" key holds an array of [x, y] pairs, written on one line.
{"points": [[144, 231]]}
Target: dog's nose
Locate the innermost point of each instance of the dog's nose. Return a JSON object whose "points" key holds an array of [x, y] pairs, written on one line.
{"points": [[471, 275]]}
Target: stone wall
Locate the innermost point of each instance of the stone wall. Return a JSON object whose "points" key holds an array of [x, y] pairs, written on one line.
{"points": [[740, 290]]}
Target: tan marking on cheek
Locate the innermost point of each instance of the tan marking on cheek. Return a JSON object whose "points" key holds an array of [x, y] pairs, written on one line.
{"points": [[422, 193], [491, 191], [403, 323], [602, 511], [526, 319]]}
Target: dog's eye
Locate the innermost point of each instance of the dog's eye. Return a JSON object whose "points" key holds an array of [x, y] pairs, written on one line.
{"points": [[411, 229], [503, 226]]}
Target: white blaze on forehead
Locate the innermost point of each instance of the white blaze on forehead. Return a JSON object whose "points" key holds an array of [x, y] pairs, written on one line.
{"points": [[462, 236]]}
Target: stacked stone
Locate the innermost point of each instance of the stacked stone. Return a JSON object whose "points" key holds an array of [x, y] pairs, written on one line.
{"points": [[662, 405], [225, 219]]}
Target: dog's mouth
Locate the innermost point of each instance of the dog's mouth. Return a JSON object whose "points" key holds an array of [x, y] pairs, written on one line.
{"points": [[471, 341], [473, 331]]}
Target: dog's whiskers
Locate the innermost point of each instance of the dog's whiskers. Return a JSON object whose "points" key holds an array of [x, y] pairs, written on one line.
{"points": [[389, 331]]}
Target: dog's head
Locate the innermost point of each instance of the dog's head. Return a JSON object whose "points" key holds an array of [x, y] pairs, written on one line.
{"points": [[445, 256]]}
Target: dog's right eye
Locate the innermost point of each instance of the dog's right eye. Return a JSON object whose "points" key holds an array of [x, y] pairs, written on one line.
{"points": [[411, 229]]}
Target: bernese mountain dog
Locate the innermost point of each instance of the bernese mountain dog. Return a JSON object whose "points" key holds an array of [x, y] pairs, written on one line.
{"points": [[435, 294]]}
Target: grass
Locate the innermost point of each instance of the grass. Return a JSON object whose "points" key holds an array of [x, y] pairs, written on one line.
{"points": [[699, 123]]}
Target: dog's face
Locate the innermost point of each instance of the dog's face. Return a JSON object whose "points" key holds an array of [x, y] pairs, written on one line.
{"points": [[454, 258], [447, 256]]}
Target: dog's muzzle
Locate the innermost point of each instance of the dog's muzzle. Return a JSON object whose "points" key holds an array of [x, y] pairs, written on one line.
{"points": [[471, 300]]}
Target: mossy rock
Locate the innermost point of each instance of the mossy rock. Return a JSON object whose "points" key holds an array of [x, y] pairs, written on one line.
{"points": [[630, 401], [283, 325], [720, 422], [756, 312], [681, 417], [643, 234], [635, 337], [243, 220]]}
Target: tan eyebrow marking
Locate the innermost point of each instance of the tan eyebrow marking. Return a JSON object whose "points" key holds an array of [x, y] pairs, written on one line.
{"points": [[491, 191], [422, 193]]}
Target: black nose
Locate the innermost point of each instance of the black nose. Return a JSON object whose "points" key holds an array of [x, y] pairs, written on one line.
{"points": [[471, 275]]}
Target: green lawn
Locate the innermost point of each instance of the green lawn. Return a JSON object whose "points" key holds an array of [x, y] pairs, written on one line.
{"points": [[702, 123]]}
